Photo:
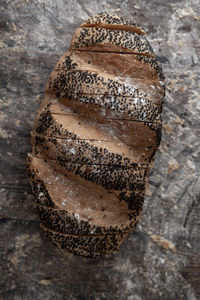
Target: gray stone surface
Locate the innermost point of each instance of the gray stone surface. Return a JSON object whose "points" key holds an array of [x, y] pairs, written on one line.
{"points": [[161, 259]]}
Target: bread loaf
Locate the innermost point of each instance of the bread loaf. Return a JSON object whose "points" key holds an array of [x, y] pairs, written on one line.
{"points": [[95, 137]]}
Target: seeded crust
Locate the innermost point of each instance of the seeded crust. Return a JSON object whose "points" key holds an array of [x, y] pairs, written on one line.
{"points": [[105, 20], [103, 39], [89, 246], [86, 82], [132, 65], [95, 137]]}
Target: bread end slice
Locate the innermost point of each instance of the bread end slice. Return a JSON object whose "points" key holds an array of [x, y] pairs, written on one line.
{"points": [[85, 245]]}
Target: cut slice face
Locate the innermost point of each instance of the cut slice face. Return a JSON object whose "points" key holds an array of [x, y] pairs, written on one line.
{"points": [[114, 135]]}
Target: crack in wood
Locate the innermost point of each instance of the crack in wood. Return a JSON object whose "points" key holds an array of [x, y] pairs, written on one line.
{"points": [[190, 209]]}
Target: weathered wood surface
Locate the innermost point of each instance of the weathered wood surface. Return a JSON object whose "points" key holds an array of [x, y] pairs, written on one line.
{"points": [[161, 259]]}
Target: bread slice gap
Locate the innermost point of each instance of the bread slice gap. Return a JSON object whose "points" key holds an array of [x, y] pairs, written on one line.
{"points": [[115, 27], [105, 49]]}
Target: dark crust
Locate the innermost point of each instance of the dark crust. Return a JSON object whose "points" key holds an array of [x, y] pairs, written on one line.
{"points": [[85, 245]]}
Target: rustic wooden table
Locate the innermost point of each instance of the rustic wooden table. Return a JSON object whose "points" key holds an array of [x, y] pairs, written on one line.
{"points": [[161, 259]]}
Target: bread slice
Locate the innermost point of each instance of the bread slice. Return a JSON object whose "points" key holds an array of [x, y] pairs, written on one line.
{"points": [[86, 245], [81, 82], [104, 107], [96, 222], [104, 20], [84, 151], [103, 39], [118, 65], [144, 139], [127, 183], [45, 173]]}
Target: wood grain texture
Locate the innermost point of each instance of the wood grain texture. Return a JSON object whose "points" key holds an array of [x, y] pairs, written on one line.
{"points": [[161, 259]]}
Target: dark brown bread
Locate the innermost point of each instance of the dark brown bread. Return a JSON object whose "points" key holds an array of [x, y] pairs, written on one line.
{"points": [[95, 137]]}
